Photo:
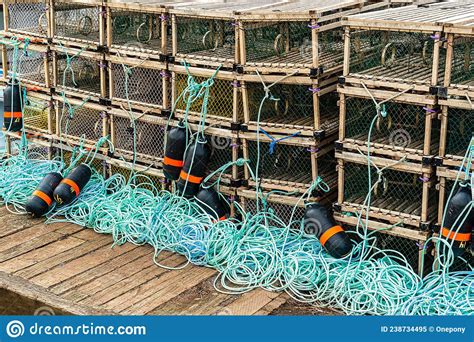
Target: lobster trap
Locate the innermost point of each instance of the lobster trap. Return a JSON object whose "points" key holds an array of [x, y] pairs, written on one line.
{"points": [[80, 122], [138, 83], [30, 64], [138, 137], [38, 114], [287, 163], [80, 73], [144, 176], [296, 105], [78, 23], [223, 106], [384, 53], [402, 193], [204, 40], [29, 18], [407, 126], [138, 30]]}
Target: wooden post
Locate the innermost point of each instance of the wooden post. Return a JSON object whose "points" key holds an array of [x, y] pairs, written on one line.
{"points": [[46, 66], [316, 107], [235, 156], [449, 60], [102, 25], [109, 26], [166, 99], [237, 43], [103, 77], [347, 52], [342, 117], [243, 48], [110, 70], [442, 199], [245, 153], [314, 163], [6, 23], [4, 62], [164, 33], [443, 131], [428, 125], [235, 103], [174, 35], [435, 68], [245, 101], [314, 44], [340, 181], [58, 119], [425, 199], [51, 112], [49, 18]]}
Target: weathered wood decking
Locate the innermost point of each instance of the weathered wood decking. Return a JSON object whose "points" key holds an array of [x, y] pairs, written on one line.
{"points": [[74, 270]]}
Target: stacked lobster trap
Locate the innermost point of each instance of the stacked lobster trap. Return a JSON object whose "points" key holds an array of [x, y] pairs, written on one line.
{"points": [[392, 119]]}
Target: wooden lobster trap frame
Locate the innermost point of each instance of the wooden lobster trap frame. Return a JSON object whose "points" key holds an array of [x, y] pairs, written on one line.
{"points": [[224, 107], [288, 163], [411, 243], [303, 105], [34, 65], [138, 29], [405, 195], [280, 204], [78, 23], [80, 121], [27, 19], [138, 83], [407, 125], [302, 37], [86, 76], [145, 134], [398, 48]]}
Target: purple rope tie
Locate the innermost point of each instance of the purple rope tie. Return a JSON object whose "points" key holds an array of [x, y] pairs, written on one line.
{"points": [[314, 27], [234, 145], [102, 65], [429, 110], [102, 115], [313, 149], [424, 179], [164, 17], [235, 84], [314, 90], [164, 74]]}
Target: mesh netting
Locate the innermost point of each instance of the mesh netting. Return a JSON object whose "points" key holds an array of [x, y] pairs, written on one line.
{"points": [[221, 152], [331, 49], [406, 56], [75, 21], [84, 77], [206, 38], [278, 43], [463, 61], [30, 67], [460, 131], [85, 122], [398, 192], [220, 103], [136, 30], [294, 108], [149, 137], [149, 182], [28, 17], [402, 129], [36, 115], [144, 85], [283, 211], [96, 164]]}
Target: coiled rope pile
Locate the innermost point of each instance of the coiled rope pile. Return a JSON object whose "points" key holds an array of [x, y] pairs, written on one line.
{"points": [[258, 251]]}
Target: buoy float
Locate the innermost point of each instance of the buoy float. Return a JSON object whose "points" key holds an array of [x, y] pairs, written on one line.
{"points": [[71, 186], [211, 202], [12, 115], [194, 168], [457, 236], [320, 222], [42, 198], [174, 152]]}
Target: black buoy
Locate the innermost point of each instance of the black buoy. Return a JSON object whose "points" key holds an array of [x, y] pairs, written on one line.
{"points": [[42, 198], [211, 202], [461, 239], [12, 115], [174, 152], [194, 169], [320, 222], [71, 186]]}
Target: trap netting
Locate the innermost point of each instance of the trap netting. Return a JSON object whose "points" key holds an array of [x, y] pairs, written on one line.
{"points": [[134, 30], [37, 115], [398, 197], [331, 49], [224, 150], [76, 22], [278, 43], [396, 56], [82, 76], [403, 129], [79, 121], [147, 181], [462, 64], [292, 107], [205, 38], [220, 102], [28, 18], [459, 133], [281, 210], [138, 84], [143, 136], [68, 156], [32, 65]]}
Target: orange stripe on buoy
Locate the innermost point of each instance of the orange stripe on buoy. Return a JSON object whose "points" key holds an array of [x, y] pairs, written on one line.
{"points": [[173, 162], [222, 218], [329, 234], [448, 233], [43, 196], [190, 178], [72, 184], [10, 115]]}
